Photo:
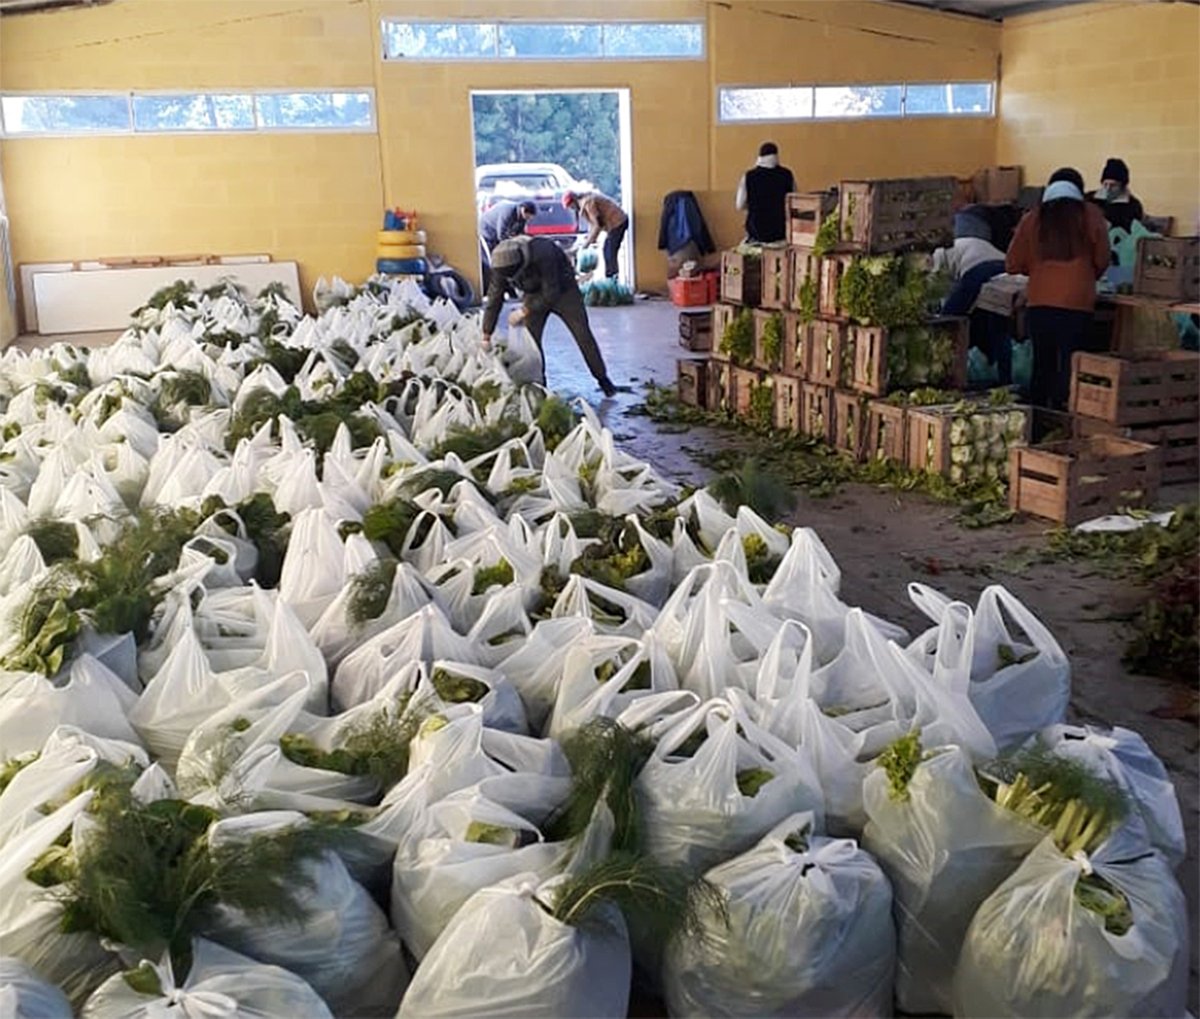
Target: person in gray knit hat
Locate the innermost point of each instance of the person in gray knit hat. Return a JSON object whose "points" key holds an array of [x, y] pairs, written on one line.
{"points": [[545, 277]]}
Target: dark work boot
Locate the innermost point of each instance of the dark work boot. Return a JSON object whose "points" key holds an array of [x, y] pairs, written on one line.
{"points": [[606, 385]]}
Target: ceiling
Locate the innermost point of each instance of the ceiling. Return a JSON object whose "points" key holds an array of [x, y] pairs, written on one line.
{"points": [[996, 10]]}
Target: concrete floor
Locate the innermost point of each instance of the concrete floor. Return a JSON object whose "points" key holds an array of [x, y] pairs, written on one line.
{"points": [[883, 540]]}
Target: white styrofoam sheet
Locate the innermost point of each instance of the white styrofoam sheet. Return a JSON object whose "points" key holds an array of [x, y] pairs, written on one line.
{"points": [[80, 302]]}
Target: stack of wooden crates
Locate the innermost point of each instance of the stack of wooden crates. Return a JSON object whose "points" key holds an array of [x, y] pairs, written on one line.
{"points": [[827, 376]]}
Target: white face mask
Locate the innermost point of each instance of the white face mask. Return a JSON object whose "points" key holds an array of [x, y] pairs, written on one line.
{"points": [[1107, 192]]}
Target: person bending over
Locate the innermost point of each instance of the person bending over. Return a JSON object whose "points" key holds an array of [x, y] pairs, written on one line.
{"points": [[545, 277], [600, 213]]}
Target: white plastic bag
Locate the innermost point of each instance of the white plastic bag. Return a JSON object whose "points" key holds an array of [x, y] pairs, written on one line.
{"points": [[344, 948], [944, 849], [23, 995], [92, 698], [694, 813], [1018, 686], [1034, 951], [504, 955], [446, 857], [219, 983], [808, 933], [30, 917]]}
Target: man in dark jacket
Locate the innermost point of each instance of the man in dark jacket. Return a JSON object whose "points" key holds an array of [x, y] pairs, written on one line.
{"points": [[546, 279], [762, 193], [504, 220]]}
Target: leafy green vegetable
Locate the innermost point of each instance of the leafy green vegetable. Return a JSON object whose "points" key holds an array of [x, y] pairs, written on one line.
{"points": [[498, 575], [751, 780], [751, 485], [605, 760], [1099, 896], [737, 342], [370, 591], [56, 539], [663, 902], [1060, 794], [147, 877], [455, 689], [900, 760]]}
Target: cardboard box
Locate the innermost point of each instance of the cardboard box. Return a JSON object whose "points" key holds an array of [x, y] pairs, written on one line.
{"points": [[997, 185]]}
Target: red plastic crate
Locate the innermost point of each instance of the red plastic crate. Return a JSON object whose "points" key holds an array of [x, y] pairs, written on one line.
{"points": [[690, 291]]}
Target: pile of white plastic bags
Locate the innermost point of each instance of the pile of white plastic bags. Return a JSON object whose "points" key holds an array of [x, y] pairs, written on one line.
{"points": [[431, 725]]}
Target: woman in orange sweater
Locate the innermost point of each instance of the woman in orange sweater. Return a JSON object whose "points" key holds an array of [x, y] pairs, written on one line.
{"points": [[1062, 246]]}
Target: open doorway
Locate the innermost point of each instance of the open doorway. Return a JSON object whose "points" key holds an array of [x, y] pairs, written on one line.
{"points": [[537, 144]]}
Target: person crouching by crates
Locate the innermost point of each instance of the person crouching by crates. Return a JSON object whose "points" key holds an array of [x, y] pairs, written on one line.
{"points": [[970, 263], [544, 275], [600, 213], [1062, 246]]}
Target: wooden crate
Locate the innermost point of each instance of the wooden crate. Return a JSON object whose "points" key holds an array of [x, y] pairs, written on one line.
{"points": [[1178, 442], [720, 386], [797, 345], [886, 432], [832, 269], [787, 402], [803, 266], [928, 433], [881, 216], [827, 341], [850, 417], [741, 278], [871, 374], [806, 212], [1143, 389], [692, 381], [775, 278], [997, 185], [742, 383], [1168, 268], [723, 316], [696, 330], [761, 319], [1079, 479], [816, 411]]}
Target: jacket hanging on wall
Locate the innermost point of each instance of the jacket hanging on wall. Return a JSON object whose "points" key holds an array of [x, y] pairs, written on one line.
{"points": [[683, 222]]}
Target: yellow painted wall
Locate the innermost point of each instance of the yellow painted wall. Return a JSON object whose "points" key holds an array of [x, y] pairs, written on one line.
{"points": [[317, 198], [1108, 79], [426, 130], [311, 198], [812, 41]]}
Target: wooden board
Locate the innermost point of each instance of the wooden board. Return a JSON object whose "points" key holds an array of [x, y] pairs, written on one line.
{"points": [[850, 416], [1146, 389], [787, 402], [816, 411], [77, 302], [887, 432], [776, 284], [1080, 479], [692, 381], [1179, 444]]}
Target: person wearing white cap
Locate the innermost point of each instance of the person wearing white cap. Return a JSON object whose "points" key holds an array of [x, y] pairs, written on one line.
{"points": [[1062, 246]]}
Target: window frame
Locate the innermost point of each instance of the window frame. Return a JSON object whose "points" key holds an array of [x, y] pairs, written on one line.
{"points": [[132, 130], [498, 23], [814, 118]]}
